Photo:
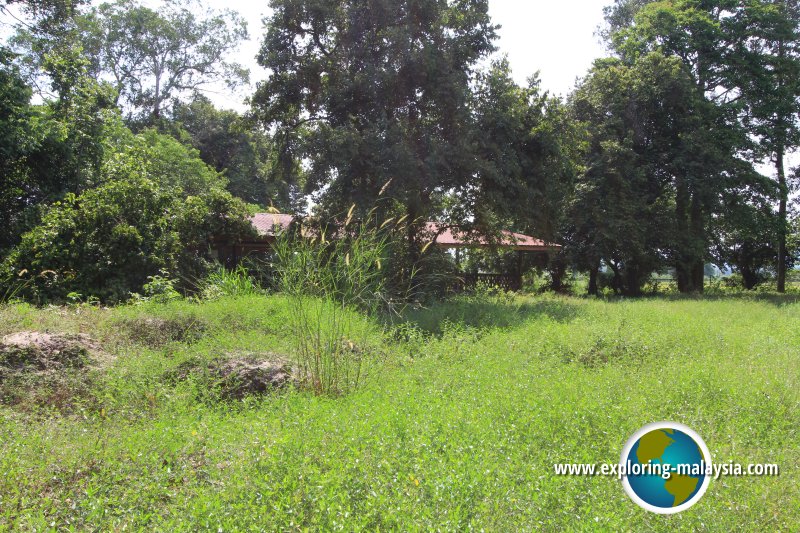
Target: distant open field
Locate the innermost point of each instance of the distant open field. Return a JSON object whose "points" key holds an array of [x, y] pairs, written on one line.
{"points": [[466, 408]]}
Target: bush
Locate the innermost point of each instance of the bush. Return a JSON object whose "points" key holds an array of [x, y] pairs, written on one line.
{"points": [[108, 241], [161, 288], [223, 282], [162, 159]]}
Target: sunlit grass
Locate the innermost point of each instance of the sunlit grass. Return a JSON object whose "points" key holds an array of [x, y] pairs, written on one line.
{"points": [[474, 402]]}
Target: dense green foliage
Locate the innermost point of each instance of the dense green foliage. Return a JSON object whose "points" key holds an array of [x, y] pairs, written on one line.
{"points": [[526, 154], [161, 158], [107, 241], [458, 429], [651, 183], [15, 131], [768, 78], [246, 155], [89, 209], [150, 57], [54, 148], [369, 92], [744, 62], [651, 166]]}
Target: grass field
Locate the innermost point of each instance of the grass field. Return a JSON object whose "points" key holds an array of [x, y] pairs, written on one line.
{"points": [[465, 410]]}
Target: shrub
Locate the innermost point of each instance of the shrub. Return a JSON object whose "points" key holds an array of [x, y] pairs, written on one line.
{"points": [[108, 241], [159, 158], [161, 288], [224, 282]]}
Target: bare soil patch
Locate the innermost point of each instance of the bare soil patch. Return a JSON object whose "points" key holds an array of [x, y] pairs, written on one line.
{"points": [[49, 370], [32, 351], [236, 376]]}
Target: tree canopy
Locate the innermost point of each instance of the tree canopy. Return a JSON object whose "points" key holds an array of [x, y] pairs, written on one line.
{"points": [[368, 92], [152, 57]]}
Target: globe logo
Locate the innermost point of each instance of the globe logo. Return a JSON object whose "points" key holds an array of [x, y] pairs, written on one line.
{"points": [[666, 467]]}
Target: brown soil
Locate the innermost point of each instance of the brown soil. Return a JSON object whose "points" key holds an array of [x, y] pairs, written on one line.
{"points": [[51, 371], [242, 375], [32, 351]]}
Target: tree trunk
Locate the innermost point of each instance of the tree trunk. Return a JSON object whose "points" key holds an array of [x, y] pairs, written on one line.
{"points": [[749, 278], [782, 220], [682, 269], [697, 246], [782, 187], [616, 282], [632, 286], [557, 272], [157, 98], [594, 273]]}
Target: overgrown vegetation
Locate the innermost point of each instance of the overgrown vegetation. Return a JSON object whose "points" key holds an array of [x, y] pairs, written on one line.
{"points": [[458, 429], [332, 277], [106, 242], [148, 383], [226, 282], [653, 163]]}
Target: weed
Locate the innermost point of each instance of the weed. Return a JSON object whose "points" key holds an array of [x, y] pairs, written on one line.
{"points": [[460, 432], [159, 288], [328, 280], [223, 282], [605, 350]]}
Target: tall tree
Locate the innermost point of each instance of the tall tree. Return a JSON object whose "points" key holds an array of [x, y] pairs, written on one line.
{"points": [[371, 91], [620, 15], [157, 56], [767, 74], [747, 231], [639, 117], [56, 147], [17, 141], [527, 153], [696, 33], [152, 57], [232, 145]]}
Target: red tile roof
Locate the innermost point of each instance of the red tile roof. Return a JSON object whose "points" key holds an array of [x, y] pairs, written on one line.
{"points": [[450, 238], [268, 225]]}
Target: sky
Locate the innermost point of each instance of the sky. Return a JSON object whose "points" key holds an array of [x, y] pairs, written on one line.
{"points": [[555, 38]]}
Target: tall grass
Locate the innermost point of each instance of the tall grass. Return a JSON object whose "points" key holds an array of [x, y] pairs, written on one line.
{"points": [[223, 282], [12, 289], [332, 277]]}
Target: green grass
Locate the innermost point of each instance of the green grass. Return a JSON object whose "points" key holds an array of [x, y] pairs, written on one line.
{"points": [[467, 407]]}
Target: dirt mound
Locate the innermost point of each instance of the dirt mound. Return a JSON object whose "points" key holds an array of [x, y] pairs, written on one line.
{"points": [[235, 377], [51, 371], [244, 377], [31, 351], [155, 332]]}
